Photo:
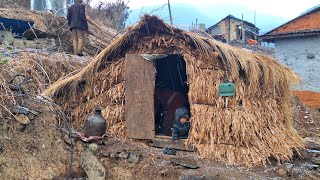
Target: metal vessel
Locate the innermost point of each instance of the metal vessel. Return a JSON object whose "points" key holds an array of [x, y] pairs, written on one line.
{"points": [[95, 124]]}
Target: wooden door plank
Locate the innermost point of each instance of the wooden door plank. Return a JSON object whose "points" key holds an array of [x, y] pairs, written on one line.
{"points": [[139, 97]]}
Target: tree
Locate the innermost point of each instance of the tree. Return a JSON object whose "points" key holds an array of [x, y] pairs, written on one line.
{"points": [[116, 13], [15, 3]]}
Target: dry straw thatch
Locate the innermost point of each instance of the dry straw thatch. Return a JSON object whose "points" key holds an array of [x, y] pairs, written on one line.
{"points": [[41, 68], [253, 126], [98, 37]]}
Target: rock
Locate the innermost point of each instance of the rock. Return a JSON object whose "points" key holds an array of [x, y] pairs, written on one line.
{"points": [[212, 177], [169, 151], [315, 161], [191, 177], [74, 133], [311, 176], [92, 166], [93, 147], [105, 153], [288, 166], [68, 140], [281, 171], [7, 138], [124, 154], [199, 177], [314, 146], [99, 142], [133, 158], [164, 172], [22, 119], [105, 141], [113, 156], [304, 155], [31, 117], [313, 151], [311, 166], [185, 162], [20, 127], [44, 53], [1, 149], [79, 146], [312, 143]]}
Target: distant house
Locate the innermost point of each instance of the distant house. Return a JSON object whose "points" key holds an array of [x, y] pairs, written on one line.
{"points": [[231, 28], [297, 44]]}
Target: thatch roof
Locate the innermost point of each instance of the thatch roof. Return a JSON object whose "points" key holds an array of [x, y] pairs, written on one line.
{"points": [[253, 126], [252, 66]]}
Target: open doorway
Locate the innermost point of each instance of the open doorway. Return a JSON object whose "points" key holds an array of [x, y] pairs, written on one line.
{"points": [[171, 92]]}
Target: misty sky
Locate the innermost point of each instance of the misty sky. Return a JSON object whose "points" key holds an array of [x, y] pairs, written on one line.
{"points": [[269, 13]]}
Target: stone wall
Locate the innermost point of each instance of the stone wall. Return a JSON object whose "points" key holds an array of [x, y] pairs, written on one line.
{"points": [[302, 54], [215, 30]]}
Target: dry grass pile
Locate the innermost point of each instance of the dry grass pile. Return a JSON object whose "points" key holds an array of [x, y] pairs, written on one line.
{"points": [[15, 3], [25, 14], [98, 37], [246, 129], [42, 69]]}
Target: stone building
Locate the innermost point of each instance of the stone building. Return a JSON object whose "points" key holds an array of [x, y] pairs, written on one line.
{"points": [[297, 44], [231, 28]]}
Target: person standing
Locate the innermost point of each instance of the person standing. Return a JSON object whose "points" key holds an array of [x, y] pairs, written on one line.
{"points": [[78, 25]]}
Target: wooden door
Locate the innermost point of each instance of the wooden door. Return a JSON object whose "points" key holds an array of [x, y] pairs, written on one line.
{"points": [[139, 97]]}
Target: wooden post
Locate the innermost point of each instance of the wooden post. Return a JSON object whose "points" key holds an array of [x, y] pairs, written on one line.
{"points": [[255, 26], [170, 12], [243, 37], [196, 28]]}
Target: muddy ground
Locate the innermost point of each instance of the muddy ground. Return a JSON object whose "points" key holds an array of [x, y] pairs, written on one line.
{"points": [[32, 150], [40, 150]]}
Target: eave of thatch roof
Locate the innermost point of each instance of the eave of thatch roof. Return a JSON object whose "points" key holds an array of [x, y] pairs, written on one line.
{"points": [[256, 67]]}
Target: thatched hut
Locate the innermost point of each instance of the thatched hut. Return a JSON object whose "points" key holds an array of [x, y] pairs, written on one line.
{"points": [[248, 128]]}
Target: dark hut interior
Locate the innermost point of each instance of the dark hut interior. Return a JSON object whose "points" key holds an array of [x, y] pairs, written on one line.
{"points": [[171, 91]]}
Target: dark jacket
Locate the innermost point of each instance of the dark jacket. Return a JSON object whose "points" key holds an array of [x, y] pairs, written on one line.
{"points": [[180, 130], [77, 17]]}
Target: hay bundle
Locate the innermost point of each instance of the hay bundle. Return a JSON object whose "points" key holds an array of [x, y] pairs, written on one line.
{"points": [[41, 68], [245, 129], [106, 90], [113, 102], [98, 37]]}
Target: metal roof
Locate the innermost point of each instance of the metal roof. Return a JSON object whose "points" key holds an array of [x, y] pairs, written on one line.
{"points": [[17, 26], [308, 12], [272, 37]]}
